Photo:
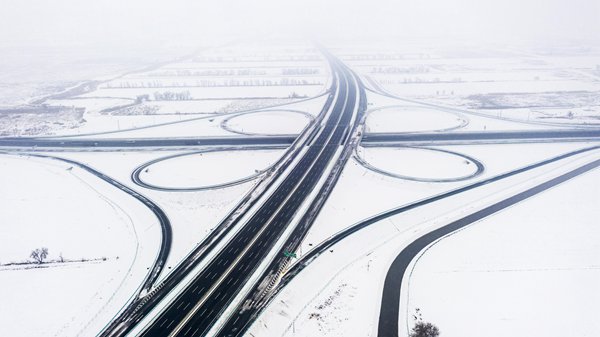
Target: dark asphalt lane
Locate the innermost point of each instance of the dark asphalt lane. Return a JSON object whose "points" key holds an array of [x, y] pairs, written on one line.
{"points": [[389, 315], [135, 175], [165, 224], [245, 312], [246, 317], [374, 138], [145, 142], [204, 299], [369, 139], [129, 318]]}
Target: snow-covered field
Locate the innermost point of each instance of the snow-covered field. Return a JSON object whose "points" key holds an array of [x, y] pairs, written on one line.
{"points": [[269, 122], [379, 192], [339, 293], [227, 79], [207, 169], [46, 203], [192, 214], [411, 119], [558, 85], [418, 163], [241, 92], [530, 270]]}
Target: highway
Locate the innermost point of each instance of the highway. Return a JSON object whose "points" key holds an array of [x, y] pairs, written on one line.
{"points": [[389, 315], [128, 318], [368, 139], [165, 224], [248, 316], [251, 304], [372, 139], [135, 175], [143, 142], [204, 299], [195, 310]]}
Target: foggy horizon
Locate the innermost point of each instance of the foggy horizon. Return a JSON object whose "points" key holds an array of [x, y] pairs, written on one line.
{"points": [[135, 23]]}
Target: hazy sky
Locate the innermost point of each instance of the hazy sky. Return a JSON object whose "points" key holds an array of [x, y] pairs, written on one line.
{"points": [[127, 22]]}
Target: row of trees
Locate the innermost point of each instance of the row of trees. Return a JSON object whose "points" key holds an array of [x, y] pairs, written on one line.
{"points": [[40, 255], [216, 83], [258, 58], [400, 70], [209, 72], [172, 96]]}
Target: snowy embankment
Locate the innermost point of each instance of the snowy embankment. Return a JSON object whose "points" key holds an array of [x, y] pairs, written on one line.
{"points": [[268, 122], [420, 164], [411, 119], [531, 270], [360, 192], [339, 293], [46, 203], [206, 169], [193, 214]]}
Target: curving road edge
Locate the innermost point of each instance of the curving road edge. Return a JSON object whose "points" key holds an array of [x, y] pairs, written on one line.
{"points": [[390, 305], [165, 224], [135, 175], [324, 246], [479, 166]]}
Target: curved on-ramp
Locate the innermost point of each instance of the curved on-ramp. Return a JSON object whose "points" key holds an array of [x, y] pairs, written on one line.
{"points": [[390, 304], [165, 224], [324, 246], [135, 175], [225, 122], [479, 166]]}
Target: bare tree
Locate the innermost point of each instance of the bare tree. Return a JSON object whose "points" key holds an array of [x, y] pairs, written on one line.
{"points": [[422, 328], [39, 254]]}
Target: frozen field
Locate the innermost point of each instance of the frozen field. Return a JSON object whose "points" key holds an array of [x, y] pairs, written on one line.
{"points": [[419, 163], [338, 294], [379, 192], [528, 270], [201, 170], [559, 85], [217, 80], [76, 216], [269, 123], [411, 119], [497, 272]]}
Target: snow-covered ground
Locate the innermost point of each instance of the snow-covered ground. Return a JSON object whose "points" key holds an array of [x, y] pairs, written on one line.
{"points": [[238, 77], [530, 270], [269, 122], [411, 119], [192, 214], [46, 203], [339, 293], [521, 255], [207, 169], [558, 85], [241, 92], [160, 126], [382, 117], [361, 193], [418, 163]]}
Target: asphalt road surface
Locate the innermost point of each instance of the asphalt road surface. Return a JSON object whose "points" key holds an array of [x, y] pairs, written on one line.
{"points": [[246, 311], [569, 134], [165, 224], [248, 316], [202, 302], [390, 305], [145, 142], [369, 139]]}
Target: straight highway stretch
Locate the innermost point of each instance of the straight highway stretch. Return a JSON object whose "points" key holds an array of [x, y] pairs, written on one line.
{"points": [[201, 303]]}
